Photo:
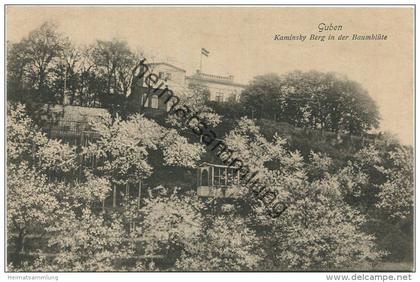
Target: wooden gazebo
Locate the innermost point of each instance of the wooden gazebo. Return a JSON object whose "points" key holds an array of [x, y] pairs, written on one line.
{"points": [[217, 181]]}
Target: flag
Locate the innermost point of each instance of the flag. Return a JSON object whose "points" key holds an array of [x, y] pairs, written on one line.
{"points": [[205, 52]]}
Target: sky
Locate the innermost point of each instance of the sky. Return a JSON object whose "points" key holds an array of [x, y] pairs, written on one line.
{"points": [[241, 42]]}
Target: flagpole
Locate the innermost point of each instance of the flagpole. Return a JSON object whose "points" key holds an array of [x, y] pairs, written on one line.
{"points": [[201, 60], [205, 53]]}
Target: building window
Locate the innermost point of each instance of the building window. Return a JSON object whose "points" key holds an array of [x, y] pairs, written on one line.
{"points": [[205, 178], [145, 100], [232, 98], [155, 102], [206, 95], [219, 98], [220, 176], [235, 95], [169, 105], [165, 76]]}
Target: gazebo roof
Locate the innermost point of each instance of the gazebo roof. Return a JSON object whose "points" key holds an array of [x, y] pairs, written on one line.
{"points": [[215, 165]]}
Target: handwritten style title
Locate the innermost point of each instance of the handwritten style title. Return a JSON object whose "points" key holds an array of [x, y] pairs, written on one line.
{"points": [[324, 28]]}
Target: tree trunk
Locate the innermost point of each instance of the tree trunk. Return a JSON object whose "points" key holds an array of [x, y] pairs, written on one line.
{"points": [[19, 246]]}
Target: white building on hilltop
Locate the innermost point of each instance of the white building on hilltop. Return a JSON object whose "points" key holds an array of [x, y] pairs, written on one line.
{"points": [[222, 88]]}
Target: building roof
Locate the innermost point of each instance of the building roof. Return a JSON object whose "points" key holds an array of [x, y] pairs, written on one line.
{"points": [[215, 165], [169, 65], [204, 77], [214, 79]]}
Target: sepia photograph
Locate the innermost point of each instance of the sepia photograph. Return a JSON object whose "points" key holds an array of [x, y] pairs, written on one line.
{"points": [[209, 139]]}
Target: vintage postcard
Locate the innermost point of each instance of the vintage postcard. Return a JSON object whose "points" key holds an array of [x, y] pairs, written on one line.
{"points": [[209, 138]]}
